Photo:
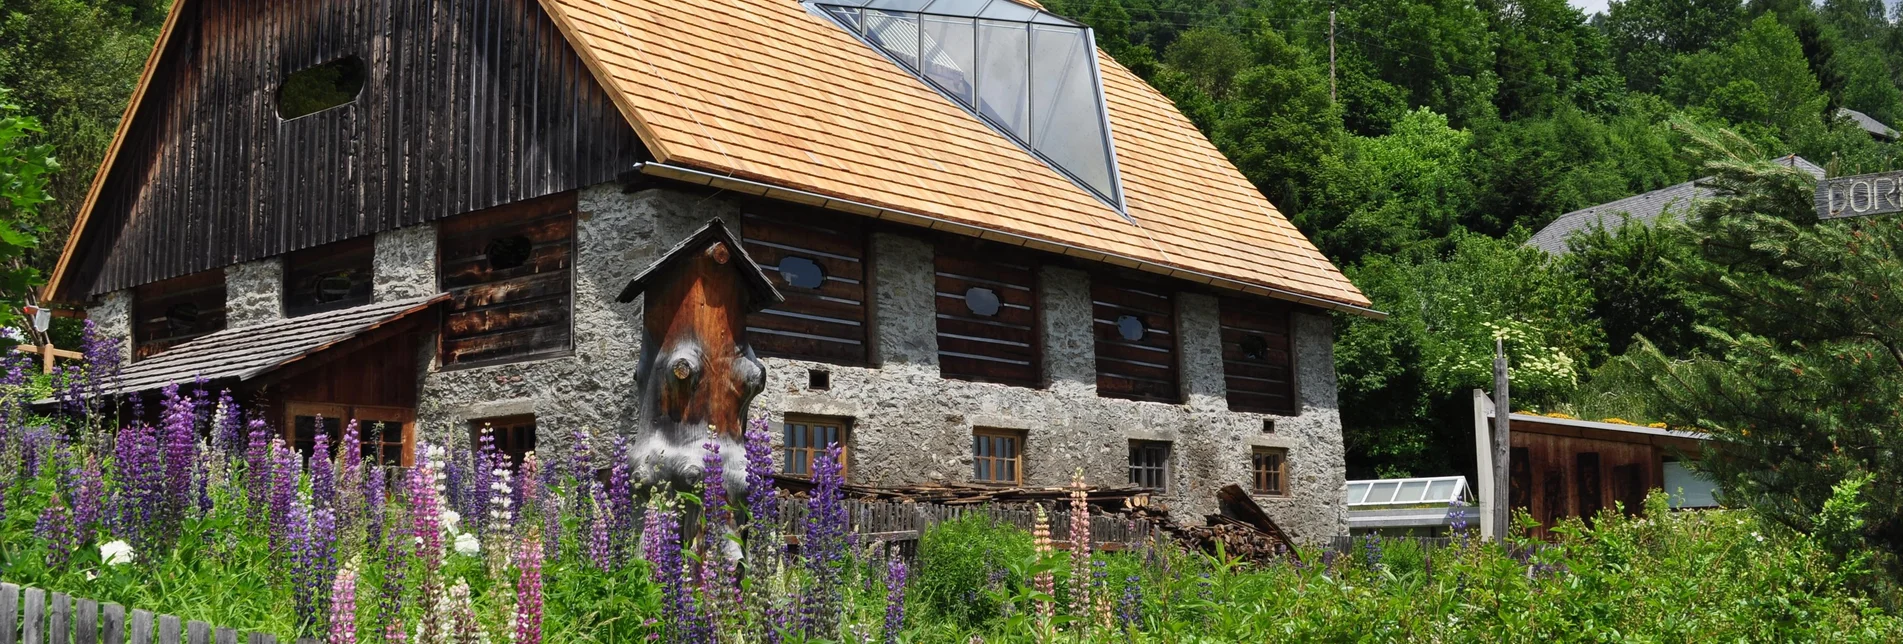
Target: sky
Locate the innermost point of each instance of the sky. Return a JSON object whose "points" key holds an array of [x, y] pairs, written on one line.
{"points": [[1590, 6]]}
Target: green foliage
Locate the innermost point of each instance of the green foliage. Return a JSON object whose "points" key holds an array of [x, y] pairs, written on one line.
{"points": [[1761, 84], [74, 64], [1647, 36], [1801, 386], [1405, 380], [1636, 290], [25, 168], [1386, 193], [1665, 576], [963, 565]]}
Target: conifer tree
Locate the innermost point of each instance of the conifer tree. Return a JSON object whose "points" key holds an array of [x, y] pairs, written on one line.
{"points": [[1802, 388]]}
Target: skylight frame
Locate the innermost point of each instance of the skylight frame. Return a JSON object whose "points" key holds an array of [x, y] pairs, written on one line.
{"points": [[1116, 200]]}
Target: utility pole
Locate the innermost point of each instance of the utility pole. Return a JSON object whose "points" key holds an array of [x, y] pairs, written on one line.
{"points": [[1331, 54], [1502, 442]]}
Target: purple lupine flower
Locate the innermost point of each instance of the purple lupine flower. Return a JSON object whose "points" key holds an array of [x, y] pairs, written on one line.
{"points": [[599, 551], [316, 564], [481, 482], [286, 473], [621, 501], [1130, 606], [297, 538], [373, 480], [528, 594], [55, 529], [88, 494], [824, 546], [181, 455], [395, 564], [257, 473], [455, 473], [719, 580], [230, 436], [661, 539], [350, 449], [34, 445], [141, 493], [763, 507], [1457, 517], [1372, 550], [82, 389], [343, 608], [895, 573], [323, 474]]}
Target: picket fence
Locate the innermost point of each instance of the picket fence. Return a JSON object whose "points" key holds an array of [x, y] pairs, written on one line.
{"points": [[56, 618], [899, 525]]}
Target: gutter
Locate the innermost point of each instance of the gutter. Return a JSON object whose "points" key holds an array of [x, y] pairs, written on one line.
{"points": [[747, 186]]}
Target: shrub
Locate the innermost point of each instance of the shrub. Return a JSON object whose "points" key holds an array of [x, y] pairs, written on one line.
{"points": [[962, 561]]}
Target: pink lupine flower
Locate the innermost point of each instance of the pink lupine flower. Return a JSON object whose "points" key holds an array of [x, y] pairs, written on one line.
{"points": [[343, 608], [528, 593]]}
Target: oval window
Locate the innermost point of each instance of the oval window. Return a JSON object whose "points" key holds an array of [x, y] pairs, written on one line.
{"points": [[981, 301], [315, 89], [801, 272], [1131, 328], [508, 252], [1254, 347]]}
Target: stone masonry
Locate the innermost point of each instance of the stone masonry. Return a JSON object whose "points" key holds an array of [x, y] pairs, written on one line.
{"points": [[908, 425]]}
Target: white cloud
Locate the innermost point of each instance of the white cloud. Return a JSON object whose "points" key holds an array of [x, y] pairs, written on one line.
{"points": [[1589, 6]]}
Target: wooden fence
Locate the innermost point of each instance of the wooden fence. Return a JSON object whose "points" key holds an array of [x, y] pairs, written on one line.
{"points": [[900, 525], [55, 618]]}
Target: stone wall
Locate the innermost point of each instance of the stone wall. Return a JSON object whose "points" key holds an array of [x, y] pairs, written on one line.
{"points": [[908, 425], [112, 316], [254, 292]]}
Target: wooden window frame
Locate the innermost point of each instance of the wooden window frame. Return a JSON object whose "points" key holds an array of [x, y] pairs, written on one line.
{"points": [[208, 286], [478, 305], [1146, 464], [512, 424], [336, 416], [1260, 478], [813, 324], [1251, 384], [1016, 460], [806, 453], [356, 256]]}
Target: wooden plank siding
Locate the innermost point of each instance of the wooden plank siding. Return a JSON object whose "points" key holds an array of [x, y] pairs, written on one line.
{"points": [[1258, 362], [515, 309], [1554, 477], [175, 311], [1144, 368], [823, 324], [467, 104], [976, 342]]}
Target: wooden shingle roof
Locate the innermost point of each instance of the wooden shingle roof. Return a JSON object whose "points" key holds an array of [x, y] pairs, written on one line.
{"points": [[761, 93], [245, 353]]}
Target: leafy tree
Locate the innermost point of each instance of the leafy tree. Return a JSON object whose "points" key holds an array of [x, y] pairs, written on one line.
{"points": [[1867, 86], [1636, 291], [74, 63], [1760, 83], [1544, 48], [1801, 388], [1278, 125], [1530, 170], [1648, 35], [1405, 380], [1386, 193], [25, 168]]}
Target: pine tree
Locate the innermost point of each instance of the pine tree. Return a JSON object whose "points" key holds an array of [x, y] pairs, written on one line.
{"points": [[1803, 389]]}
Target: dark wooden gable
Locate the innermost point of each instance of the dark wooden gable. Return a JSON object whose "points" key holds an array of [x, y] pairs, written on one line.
{"points": [[466, 104]]}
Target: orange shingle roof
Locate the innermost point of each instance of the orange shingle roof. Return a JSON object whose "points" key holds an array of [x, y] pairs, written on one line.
{"points": [[764, 92]]}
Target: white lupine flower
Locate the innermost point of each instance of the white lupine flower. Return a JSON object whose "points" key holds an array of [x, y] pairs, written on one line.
{"points": [[451, 519], [466, 544], [114, 553]]}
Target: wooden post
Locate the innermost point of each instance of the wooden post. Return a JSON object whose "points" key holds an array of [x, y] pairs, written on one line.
{"points": [[1502, 442], [1483, 465]]}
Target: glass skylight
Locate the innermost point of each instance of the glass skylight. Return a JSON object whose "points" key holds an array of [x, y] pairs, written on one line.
{"points": [[1030, 74], [1428, 491]]}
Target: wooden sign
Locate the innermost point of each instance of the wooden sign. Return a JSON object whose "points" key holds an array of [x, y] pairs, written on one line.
{"points": [[1860, 196]]}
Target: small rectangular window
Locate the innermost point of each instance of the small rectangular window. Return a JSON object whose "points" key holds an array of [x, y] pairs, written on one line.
{"points": [[172, 312], [1269, 465], [387, 433], [997, 456], [513, 435], [329, 277], [804, 438], [1150, 465], [509, 272]]}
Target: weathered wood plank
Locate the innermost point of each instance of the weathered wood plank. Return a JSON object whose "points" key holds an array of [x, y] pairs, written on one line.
{"points": [[86, 624], [168, 629], [198, 632], [141, 627], [33, 625], [9, 613], [59, 619], [227, 636], [112, 626]]}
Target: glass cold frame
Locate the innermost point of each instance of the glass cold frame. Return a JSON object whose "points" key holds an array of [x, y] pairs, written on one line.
{"points": [[1025, 71], [1422, 491]]}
